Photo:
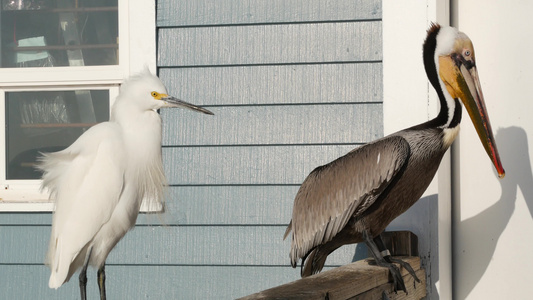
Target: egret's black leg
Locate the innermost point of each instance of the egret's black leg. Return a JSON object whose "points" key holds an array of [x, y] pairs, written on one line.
{"points": [[83, 282], [387, 256], [83, 277], [101, 282], [397, 278]]}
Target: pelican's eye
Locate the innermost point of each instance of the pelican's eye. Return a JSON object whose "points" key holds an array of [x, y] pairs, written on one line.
{"points": [[466, 52]]}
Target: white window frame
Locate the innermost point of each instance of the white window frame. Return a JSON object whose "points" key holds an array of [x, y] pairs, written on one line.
{"points": [[137, 50]]}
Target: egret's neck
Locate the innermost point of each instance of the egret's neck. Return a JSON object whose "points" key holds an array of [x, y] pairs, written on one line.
{"points": [[141, 129]]}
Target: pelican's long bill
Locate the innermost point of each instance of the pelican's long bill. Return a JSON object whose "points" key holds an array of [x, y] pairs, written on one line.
{"points": [[459, 73], [175, 102]]}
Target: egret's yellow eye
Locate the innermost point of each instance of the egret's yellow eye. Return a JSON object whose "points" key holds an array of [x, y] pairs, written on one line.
{"points": [[158, 96]]}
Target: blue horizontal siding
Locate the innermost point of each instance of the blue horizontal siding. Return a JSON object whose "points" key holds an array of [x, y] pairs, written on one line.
{"points": [[276, 84], [228, 12], [274, 125], [293, 85], [274, 44], [271, 165], [176, 245], [29, 282]]}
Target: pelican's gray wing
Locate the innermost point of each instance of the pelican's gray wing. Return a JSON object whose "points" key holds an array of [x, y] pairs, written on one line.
{"points": [[332, 193]]}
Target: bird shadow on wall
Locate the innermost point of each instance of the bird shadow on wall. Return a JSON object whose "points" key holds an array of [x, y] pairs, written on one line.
{"points": [[486, 227]]}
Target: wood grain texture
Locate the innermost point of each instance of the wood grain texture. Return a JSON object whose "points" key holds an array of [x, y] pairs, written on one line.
{"points": [[274, 125], [294, 84], [243, 165], [276, 84], [272, 44], [178, 245], [415, 290], [204, 205], [228, 205], [358, 280], [30, 282], [224, 12]]}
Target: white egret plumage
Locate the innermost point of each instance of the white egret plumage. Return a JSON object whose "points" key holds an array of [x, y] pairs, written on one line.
{"points": [[99, 181]]}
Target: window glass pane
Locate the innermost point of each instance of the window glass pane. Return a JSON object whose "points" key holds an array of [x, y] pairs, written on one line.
{"points": [[49, 33], [48, 121]]}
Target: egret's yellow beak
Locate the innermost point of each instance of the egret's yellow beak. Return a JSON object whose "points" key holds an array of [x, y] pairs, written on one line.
{"points": [[459, 73]]}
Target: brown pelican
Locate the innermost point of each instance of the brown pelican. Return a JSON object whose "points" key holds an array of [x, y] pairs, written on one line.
{"points": [[353, 198]]}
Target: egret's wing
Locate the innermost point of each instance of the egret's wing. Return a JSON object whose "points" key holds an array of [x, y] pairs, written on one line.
{"points": [[332, 193], [86, 181]]}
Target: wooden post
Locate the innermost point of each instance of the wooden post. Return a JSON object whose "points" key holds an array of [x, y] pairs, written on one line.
{"points": [[401, 243]]}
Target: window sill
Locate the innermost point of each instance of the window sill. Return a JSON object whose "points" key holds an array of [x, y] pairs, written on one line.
{"points": [[19, 206]]}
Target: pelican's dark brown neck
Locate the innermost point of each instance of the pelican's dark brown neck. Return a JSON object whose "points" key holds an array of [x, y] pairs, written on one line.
{"points": [[445, 118]]}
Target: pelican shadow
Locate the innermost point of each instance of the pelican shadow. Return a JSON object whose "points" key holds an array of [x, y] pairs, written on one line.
{"points": [[486, 227]]}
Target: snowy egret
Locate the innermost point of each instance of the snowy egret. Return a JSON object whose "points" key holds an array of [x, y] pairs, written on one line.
{"points": [[99, 181]]}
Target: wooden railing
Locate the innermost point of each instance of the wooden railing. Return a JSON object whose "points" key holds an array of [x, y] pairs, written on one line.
{"points": [[358, 280]]}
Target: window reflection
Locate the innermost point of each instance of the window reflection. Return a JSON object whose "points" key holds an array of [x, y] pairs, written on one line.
{"points": [[48, 121], [48, 33]]}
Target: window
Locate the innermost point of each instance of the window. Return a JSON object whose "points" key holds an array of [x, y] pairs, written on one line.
{"points": [[61, 64], [59, 33]]}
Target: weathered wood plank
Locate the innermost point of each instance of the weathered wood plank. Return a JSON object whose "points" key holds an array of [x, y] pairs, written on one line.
{"points": [[274, 125], [276, 84], [273, 44], [401, 243], [346, 282], [177, 245], [30, 282], [243, 165], [415, 290], [222, 12]]}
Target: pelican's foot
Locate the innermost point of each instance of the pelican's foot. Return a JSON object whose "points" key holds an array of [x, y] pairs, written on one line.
{"points": [[406, 266], [383, 258], [397, 279]]}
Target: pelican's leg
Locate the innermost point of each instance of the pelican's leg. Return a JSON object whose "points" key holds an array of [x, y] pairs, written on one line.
{"points": [[380, 261], [381, 247], [83, 277], [101, 281], [384, 296]]}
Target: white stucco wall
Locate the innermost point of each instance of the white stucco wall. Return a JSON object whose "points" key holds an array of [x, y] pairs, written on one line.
{"points": [[409, 99], [492, 218]]}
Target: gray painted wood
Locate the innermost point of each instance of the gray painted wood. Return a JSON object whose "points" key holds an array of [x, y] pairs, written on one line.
{"points": [[30, 282], [274, 125], [294, 84], [238, 165], [223, 12], [177, 245], [228, 205], [213, 245], [276, 84], [204, 205], [24, 219], [273, 44]]}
